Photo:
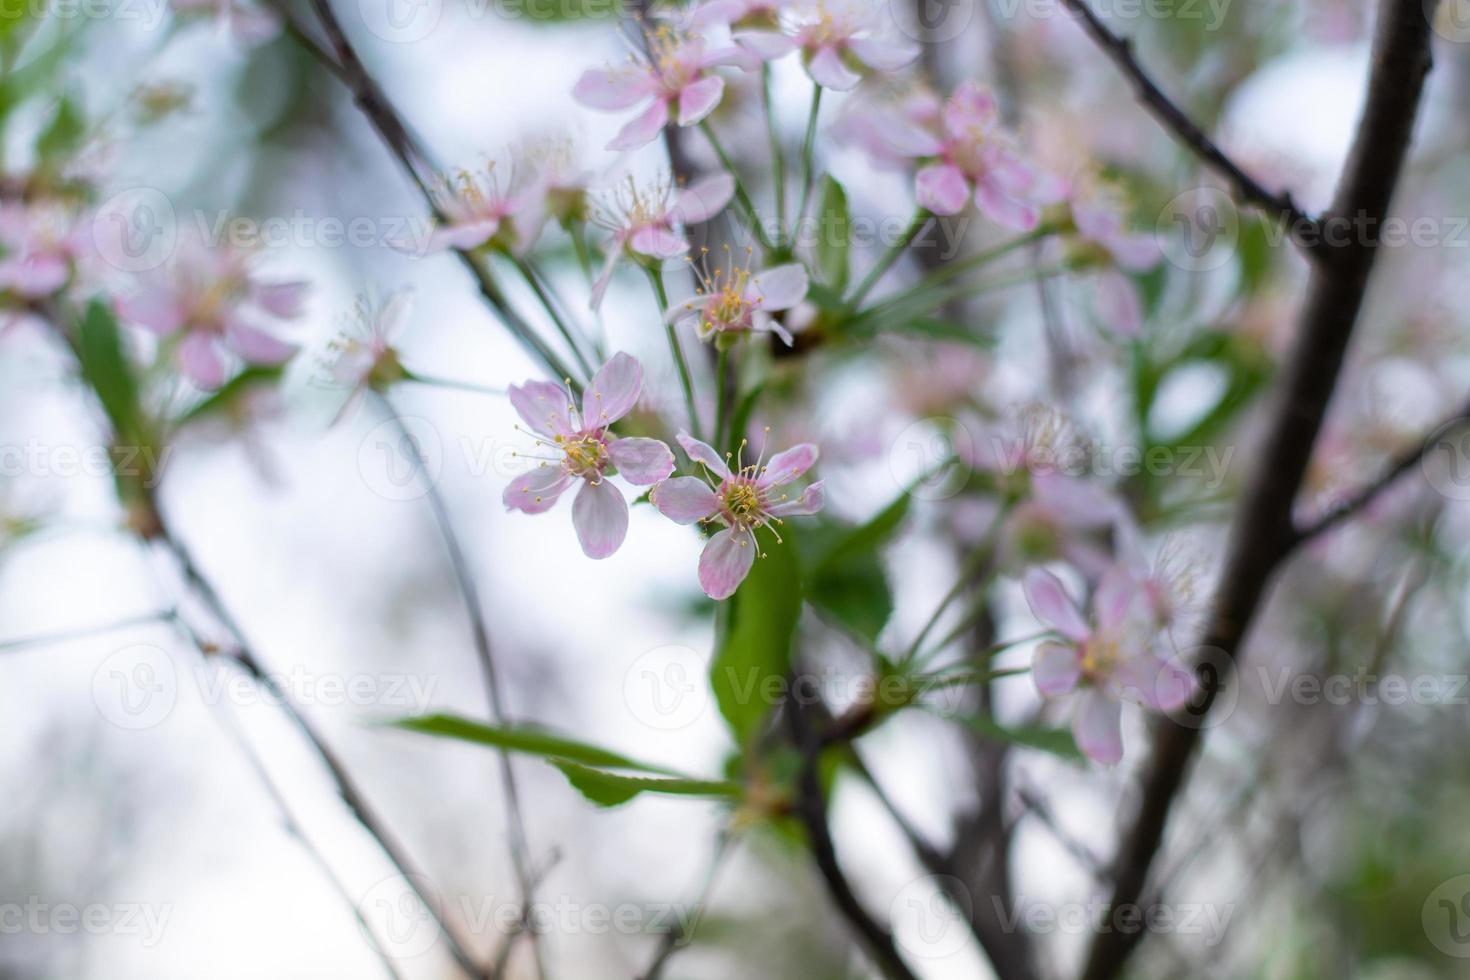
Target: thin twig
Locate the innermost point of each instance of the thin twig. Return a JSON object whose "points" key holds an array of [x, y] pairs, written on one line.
{"points": [[677, 938], [1120, 50], [84, 632]]}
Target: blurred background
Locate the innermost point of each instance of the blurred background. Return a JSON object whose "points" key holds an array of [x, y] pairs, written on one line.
{"points": [[145, 785]]}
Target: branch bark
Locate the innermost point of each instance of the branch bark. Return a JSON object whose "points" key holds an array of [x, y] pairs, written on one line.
{"points": [[1263, 532]]}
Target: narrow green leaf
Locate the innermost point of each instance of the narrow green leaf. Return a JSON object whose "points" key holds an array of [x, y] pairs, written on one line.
{"points": [[106, 368], [834, 235], [1057, 741], [612, 789], [753, 660], [63, 134], [227, 397], [523, 738], [846, 579]]}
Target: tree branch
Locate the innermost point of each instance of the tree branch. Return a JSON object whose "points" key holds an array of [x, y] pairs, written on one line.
{"points": [[1120, 51], [1263, 532]]}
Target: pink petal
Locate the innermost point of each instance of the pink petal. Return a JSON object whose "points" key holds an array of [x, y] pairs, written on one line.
{"points": [[200, 360], [725, 562], [698, 99], [658, 242], [641, 460], [780, 288], [1004, 209], [1135, 252], [1074, 502], [827, 70], [883, 55], [703, 452], [704, 198], [1156, 683], [810, 502], [604, 278], [600, 515], [685, 499], [1055, 669], [35, 276], [546, 408], [715, 13], [787, 466], [971, 110], [1118, 304], [612, 89], [157, 309], [1051, 604], [909, 139], [1114, 599], [766, 45], [612, 392], [257, 346], [462, 236], [1098, 728], [941, 188], [644, 127], [537, 490], [281, 299]]}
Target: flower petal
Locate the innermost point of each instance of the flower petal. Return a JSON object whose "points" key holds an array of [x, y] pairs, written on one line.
{"points": [[462, 236], [685, 499], [703, 452], [698, 99], [281, 299], [536, 490], [1098, 728], [1051, 604], [1159, 684], [613, 391], [884, 55], [907, 138], [1074, 502], [725, 562], [604, 278], [600, 515], [810, 501], [971, 110], [200, 360], [644, 127], [787, 466], [1002, 208], [612, 89], [780, 288], [545, 407], [1114, 598], [941, 188], [704, 198], [657, 242], [158, 310], [1118, 304], [826, 69], [766, 45], [257, 346], [1055, 669], [641, 460]]}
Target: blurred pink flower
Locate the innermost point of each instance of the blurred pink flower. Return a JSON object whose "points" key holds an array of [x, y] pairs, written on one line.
{"points": [[674, 76], [42, 243], [744, 500], [482, 211], [971, 156], [867, 122], [732, 300], [1098, 213], [736, 14], [837, 43], [587, 452], [646, 221], [1110, 658], [210, 297], [246, 23], [362, 355]]}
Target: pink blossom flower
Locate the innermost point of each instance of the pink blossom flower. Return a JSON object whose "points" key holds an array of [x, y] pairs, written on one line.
{"points": [[42, 244], [733, 301], [248, 24], [736, 14], [211, 298], [972, 157], [745, 500], [837, 43], [480, 211], [587, 452], [645, 222], [1109, 657], [868, 123], [674, 79], [362, 354], [1098, 216]]}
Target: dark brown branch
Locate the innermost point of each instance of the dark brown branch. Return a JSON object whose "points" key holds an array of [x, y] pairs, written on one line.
{"points": [[1120, 49], [1263, 532], [1366, 495], [811, 809]]}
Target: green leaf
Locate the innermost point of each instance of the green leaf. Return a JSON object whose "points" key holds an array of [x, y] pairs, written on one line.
{"points": [[63, 135], [751, 665], [106, 368], [834, 235], [740, 421], [612, 789], [523, 738], [227, 397], [1057, 741], [847, 581]]}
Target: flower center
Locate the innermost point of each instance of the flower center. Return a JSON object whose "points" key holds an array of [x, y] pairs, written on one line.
{"points": [[1099, 657], [586, 455], [742, 501]]}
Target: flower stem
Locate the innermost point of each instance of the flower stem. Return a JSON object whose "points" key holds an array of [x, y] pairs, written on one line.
{"points": [[528, 273], [752, 218], [778, 160], [722, 399], [921, 218], [434, 381], [808, 146], [656, 280]]}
